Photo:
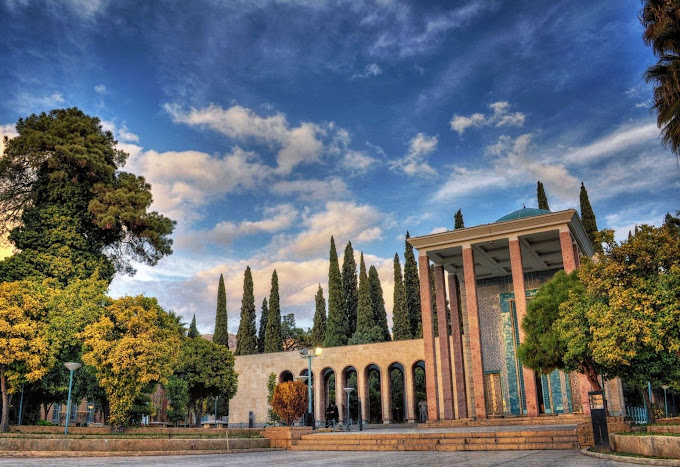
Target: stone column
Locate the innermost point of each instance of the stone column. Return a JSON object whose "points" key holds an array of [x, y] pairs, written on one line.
{"points": [[340, 398], [362, 388], [444, 349], [385, 396], [410, 404], [319, 400], [457, 351], [521, 307], [428, 340], [475, 333]]}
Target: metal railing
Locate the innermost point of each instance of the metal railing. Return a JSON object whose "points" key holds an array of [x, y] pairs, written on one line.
{"points": [[637, 414]]}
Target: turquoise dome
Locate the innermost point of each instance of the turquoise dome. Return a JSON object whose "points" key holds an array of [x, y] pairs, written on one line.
{"points": [[525, 212]]}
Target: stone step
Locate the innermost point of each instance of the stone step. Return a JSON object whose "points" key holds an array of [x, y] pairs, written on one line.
{"points": [[437, 447]]}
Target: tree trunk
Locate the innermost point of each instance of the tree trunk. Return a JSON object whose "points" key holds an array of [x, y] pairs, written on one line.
{"points": [[4, 421], [648, 403], [591, 374]]}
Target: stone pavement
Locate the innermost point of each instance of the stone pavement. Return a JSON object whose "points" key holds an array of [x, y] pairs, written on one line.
{"points": [[300, 458]]}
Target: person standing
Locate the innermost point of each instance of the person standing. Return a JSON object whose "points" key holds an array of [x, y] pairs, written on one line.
{"points": [[422, 410]]}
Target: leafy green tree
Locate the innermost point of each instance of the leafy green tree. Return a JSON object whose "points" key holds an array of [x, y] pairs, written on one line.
{"points": [[24, 353], [378, 303], [70, 208], [458, 220], [350, 289], [193, 330], [246, 339], [412, 288], [132, 347], [368, 336], [263, 326], [401, 323], [208, 370], [177, 391], [221, 335], [273, 341], [336, 326], [542, 198], [661, 20], [293, 337], [365, 312], [588, 219], [271, 384], [319, 328]]}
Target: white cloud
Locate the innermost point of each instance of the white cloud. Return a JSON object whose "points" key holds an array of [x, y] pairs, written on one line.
{"points": [[333, 187], [438, 230], [28, 103], [369, 70], [356, 161], [295, 145], [101, 89], [499, 118], [617, 141], [127, 136], [414, 162]]}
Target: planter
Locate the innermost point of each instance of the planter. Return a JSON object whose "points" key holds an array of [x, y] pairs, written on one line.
{"points": [[283, 437], [648, 445]]}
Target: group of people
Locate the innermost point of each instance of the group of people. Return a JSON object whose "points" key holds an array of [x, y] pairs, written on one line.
{"points": [[332, 414]]}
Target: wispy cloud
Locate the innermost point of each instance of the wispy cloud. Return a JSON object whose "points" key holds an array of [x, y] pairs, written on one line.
{"points": [[369, 70], [101, 89], [310, 189], [499, 118], [414, 162], [620, 139]]}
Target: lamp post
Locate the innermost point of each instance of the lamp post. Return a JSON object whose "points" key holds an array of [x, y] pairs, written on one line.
{"points": [[72, 366], [665, 399], [21, 404], [308, 354], [90, 414], [347, 390]]}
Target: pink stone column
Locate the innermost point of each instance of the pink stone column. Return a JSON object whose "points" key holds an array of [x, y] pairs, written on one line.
{"points": [[340, 400], [385, 396], [362, 388], [519, 288], [457, 351], [430, 356], [444, 349], [319, 402], [475, 333]]}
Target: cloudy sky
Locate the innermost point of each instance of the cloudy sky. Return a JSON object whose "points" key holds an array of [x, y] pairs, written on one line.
{"points": [[267, 126]]}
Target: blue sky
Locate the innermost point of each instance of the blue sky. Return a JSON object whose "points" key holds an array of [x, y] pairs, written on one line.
{"points": [[265, 127]]}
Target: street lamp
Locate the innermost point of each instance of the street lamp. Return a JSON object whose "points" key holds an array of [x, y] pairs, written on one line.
{"points": [[665, 399], [72, 366], [308, 354], [347, 390], [90, 415]]}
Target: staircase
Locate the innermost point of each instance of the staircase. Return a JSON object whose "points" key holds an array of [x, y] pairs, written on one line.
{"points": [[529, 439]]}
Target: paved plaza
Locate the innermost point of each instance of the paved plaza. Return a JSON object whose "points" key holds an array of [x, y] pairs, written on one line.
{"points": [[466, 458]]}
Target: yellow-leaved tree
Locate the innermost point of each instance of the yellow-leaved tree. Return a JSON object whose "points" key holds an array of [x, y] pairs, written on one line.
{"points": [[290, 400], [24, 350], [132, 347]]}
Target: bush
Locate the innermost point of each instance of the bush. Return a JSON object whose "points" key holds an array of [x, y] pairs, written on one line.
{"points": [[45, 423], [290, 400]]}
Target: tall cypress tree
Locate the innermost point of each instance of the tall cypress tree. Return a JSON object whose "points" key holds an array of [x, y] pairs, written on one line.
{"points": [[246, 339], [273, 341], [401, 323], [378, 302], [193, 330], [365, 321], [588, 219], [319, 327], [221, 335], [542, 198], [264, 314], [458, 219], [412, 287], [336, 326], [350, 290]]}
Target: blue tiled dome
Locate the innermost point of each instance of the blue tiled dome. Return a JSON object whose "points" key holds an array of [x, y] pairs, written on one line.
{"points": [[524, 212]]}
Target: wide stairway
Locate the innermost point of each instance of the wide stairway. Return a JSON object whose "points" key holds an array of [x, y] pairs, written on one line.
{"points": [[479, 439]]}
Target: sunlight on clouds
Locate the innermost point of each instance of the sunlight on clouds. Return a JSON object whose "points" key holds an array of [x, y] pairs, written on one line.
{"points": [[499, 118], [414, 162]]}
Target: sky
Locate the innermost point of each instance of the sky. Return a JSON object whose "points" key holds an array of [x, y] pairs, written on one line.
{"points": [[265, 127]]}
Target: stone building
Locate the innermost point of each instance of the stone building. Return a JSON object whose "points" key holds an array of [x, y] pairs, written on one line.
{"points": [[486, 274]]}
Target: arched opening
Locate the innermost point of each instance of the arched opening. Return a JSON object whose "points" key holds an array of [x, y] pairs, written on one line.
{"points": [[307, 381], [397, 392], [349, 380], [375, 414], [419, 386], [328, 391], [285, 376]]}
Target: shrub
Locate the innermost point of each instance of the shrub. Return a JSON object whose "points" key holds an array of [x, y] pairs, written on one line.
{"points": [[290, 400]]}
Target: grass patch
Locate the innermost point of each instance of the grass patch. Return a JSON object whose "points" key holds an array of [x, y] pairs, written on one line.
{"points": [[648, 433]]}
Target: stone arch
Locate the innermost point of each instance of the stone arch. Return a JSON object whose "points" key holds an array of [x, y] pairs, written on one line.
{"points": [[328, 390], [397, 385], [348, 381], [419, 386], [373, 406], [285, 376]]}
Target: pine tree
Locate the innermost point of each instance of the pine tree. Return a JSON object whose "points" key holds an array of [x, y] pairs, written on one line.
{"points": [[264, 314], [401, 324], [273, 341], [246, 339], [350, 290], [365, 311], [336, 326], [412, 288], [378, 303], [542, 198], [319, 328], [458, 219], [588, 219], [221, 335], [193, 330]]}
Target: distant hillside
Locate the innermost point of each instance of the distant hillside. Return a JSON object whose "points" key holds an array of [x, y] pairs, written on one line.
{"points": [[232, 340]]}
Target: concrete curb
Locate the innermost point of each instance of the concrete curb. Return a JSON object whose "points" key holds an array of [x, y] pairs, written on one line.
{"points": [[30, 454], [632, 460]]}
